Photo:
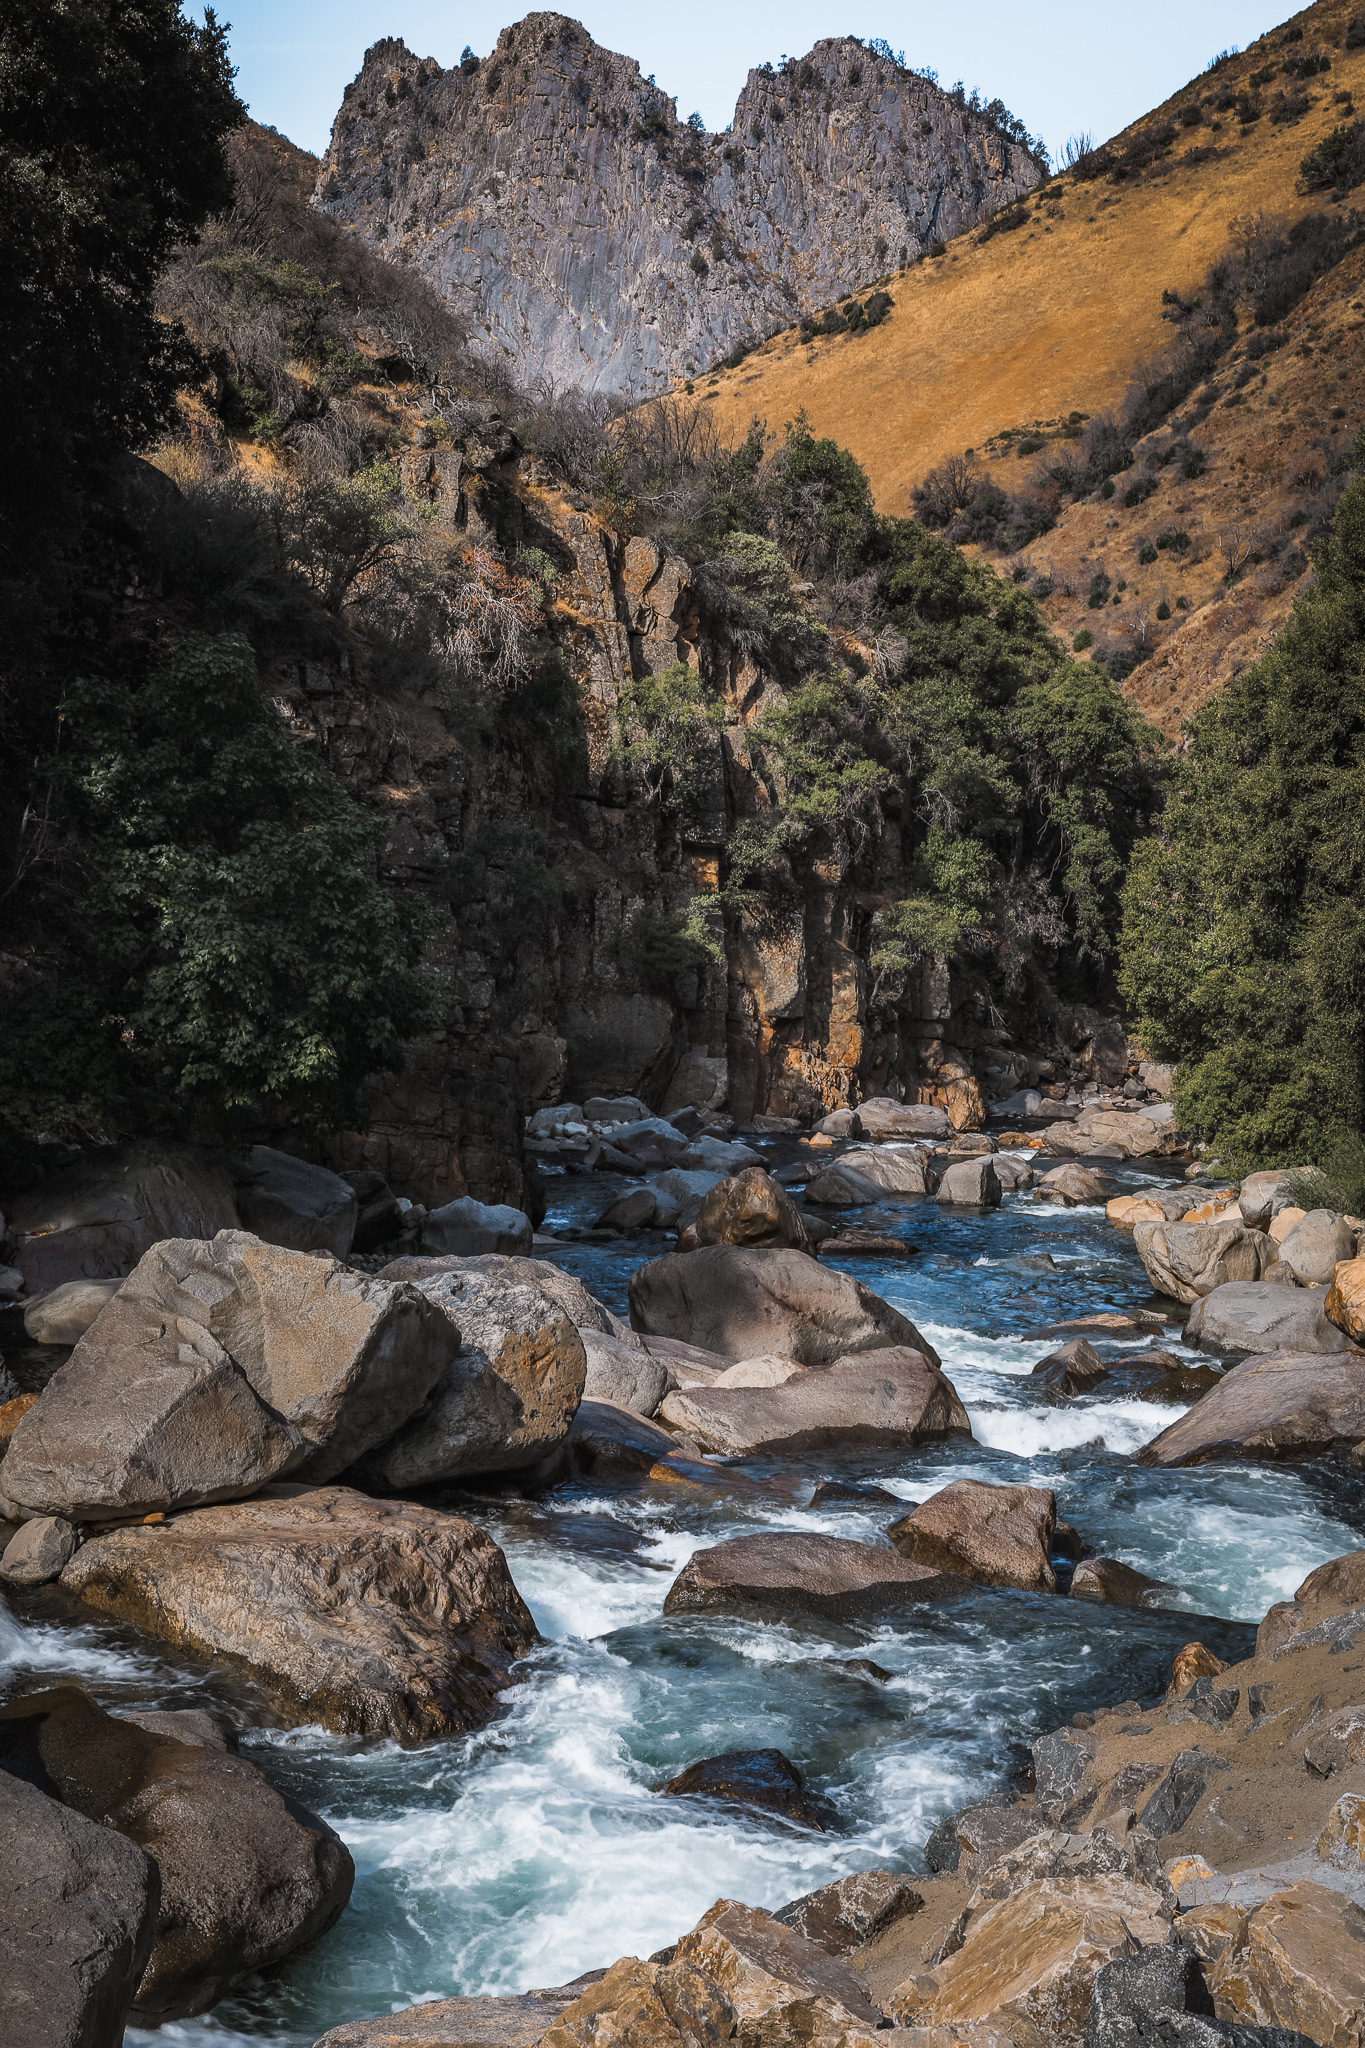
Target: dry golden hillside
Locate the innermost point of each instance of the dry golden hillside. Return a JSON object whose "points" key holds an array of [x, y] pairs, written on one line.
{"points": [[1058, 317]]}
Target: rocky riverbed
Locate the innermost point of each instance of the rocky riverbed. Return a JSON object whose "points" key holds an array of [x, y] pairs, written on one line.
{"points": [[538, 1847]]}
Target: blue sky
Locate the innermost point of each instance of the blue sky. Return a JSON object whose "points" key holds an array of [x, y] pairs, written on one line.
{"points": [[1062, 65]]}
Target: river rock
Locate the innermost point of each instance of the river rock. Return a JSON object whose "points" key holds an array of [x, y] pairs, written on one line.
{"points": [[378, 1215], [1107, 1579], [761, 1778], [839, 1186], [1071, 1185], [881, 1118], [1025, 1102], [746, 1304], [840, 1917], [634, 2004], [506, 1401], [894, 1169], [95, 1219], [1345, 1303], [1289, 1404], [466, 1226], [1136, 1136], [200, 1727], [1264, 1195], [974, 1838], [773, 1977], [64, 1316], [584, 1310], [78, 1906], [970, 1184], [218, 1367], [247, 1876], [890, 1399], [38, 1552], [611, 1442], [622, 1372], [1316, 1246], [709, 1154], [1073, 1368], [291, 1202], [687, 1364], [634, 1210], [686, 1191], [759, 1372], [1013, 1170], [402, 1621], [750, 1208], [994, 1535], [1153, 1205], [1300, 1965], [1255, 1315], [830, 1576], [1187, 1260]]}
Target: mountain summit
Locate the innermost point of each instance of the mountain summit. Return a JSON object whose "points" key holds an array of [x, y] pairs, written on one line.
{"points": [[553, 195]]}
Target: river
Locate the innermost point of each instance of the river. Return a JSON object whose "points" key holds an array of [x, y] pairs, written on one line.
{"points": [[538, 1848]]}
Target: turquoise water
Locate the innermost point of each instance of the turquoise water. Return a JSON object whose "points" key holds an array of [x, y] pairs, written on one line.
{"points": [[538, 1848]]}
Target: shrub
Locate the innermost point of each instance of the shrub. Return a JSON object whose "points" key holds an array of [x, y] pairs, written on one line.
{"points": [[1107, 487], [1174, 538], [1139, 492], [1163, 610], [1355, 32], [1339, 160], [699, 263], [1099, 590], [1193, 463], [1080, 641], [1146, 553]]}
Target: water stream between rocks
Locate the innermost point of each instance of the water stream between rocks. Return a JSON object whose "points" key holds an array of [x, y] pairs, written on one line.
{"points": [[538, 1848]]}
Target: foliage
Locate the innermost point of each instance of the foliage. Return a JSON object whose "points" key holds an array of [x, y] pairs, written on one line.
{"points": [[950, 883], [228, 941], [1243, 942], [665, 727], [662, 944]]}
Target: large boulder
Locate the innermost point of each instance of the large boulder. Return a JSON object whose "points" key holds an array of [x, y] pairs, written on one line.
{"points": [[840, 1917], [750, 1208], [763, 1779], [895, 1169], [247, 1876], [623, 1372], [94, 1220], [1071, 1185], [375, 1618], [889, 1399], [1299, 1965], [1316, 1246], [78, 1907], [506, 1401], [1264, 1195], [881, 1117], [995, 1535], [828, 1576], [459, 2023], [1074, 1368], [840, 1186], [686, 1190], [970, 1184], [1345, 1302], [38, 1551], [751, 1304], [1136, 1137], [290, 1202], [64, 1316], [1188, 1260], [466, 1227], [584, 1310], [709, 1154], [1260, 1316], [777, 1982], [218, 1367], [1287, 1405]]}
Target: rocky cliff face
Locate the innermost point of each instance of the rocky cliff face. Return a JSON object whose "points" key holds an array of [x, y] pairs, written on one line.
{"points": [[553, 195], [543, 866]]}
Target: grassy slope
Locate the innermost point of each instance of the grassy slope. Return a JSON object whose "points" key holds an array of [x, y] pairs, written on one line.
{"points": [[1060, 316]]}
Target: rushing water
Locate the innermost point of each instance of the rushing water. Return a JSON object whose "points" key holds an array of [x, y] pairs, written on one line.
{"points": [[538, 1847]]}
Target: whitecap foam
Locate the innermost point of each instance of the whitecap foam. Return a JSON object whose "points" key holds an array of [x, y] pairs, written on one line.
{"points": [[1123, 1426]]}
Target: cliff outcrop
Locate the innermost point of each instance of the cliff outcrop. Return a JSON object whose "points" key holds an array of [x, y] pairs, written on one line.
{"points": [[553, 196]]}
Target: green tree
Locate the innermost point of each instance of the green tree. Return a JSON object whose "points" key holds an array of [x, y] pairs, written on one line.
{"points": [[1243, 946], [225, 940]]}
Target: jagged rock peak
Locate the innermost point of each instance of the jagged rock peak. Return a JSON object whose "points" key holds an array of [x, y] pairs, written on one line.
{"points": [[554, 196]]}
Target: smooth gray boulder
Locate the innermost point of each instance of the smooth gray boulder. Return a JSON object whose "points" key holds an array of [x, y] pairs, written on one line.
{"points": [[1260, 1316], [779, 1574], [889, 1399], [622, 1372], [840, 1186], [466, 1227], [1316, 1246], [291, 1202], [881, 1117], [1289, 1404], [64, 1316], [1013, 1169], [584, 1310], [612, 1109], [894, 1169], [505, 1402], [78, 1908], [1026, 1102], [38, 1552], [1072, 1185], [747, 1303], [95, 1219], [970, 1184], [634, 1210], [219, 1367], [247, 1875], [1188, 1260], [687, 1188], [1108, 1579], [706, 1154]]}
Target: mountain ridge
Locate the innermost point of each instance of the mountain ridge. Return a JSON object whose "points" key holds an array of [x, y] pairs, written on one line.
{"points": [[554, 198]]}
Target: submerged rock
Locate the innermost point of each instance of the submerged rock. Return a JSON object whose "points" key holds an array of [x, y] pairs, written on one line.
{"points": [[78, 1906], [995, 1535], [797, 1574], [1287, 1405], [401, 1621], [247, 1876], [745, 1304], [1107, 1579], [1073, 1368], [762, 1778], [890, 1398]]}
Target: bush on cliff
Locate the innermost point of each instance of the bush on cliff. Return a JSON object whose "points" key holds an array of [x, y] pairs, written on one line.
{"points": [[1243, 947]]}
